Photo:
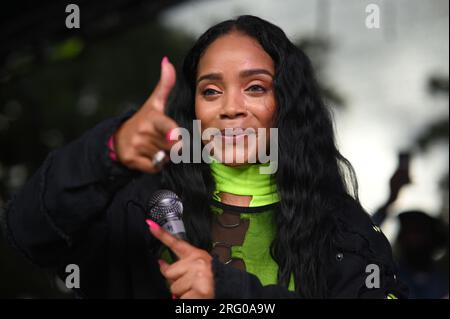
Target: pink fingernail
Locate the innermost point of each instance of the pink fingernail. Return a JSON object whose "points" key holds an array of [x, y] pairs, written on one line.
{"points": [[174, 297], [152, 224], [164, 60], [112, 152], [168, 135]]}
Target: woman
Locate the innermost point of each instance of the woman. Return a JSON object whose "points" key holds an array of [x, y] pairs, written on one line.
{"points": [[298, 232]]}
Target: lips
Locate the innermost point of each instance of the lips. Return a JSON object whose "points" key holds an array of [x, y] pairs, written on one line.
{"points": [[234, 134], [232, 131], [237, 131]]}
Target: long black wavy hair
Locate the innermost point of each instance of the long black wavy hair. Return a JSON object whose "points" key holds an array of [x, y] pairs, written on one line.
{"points": [[311, 175]]}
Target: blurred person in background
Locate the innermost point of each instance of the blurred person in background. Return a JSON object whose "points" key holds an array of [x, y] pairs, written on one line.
{"points": [[421, 246]]}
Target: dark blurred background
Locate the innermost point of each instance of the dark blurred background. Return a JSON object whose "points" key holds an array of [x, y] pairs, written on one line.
{"points": [[388, 87]]}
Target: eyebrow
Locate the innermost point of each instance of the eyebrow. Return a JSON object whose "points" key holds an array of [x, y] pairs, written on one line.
{"points": [[242, 74]]}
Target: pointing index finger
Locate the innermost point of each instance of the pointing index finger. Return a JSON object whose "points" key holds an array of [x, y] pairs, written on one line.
{"points": [[180, 247], [165, 85]]}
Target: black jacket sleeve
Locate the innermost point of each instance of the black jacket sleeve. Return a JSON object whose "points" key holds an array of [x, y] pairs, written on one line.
{"points": [[68, 193], [232, 283], [361, 263]]}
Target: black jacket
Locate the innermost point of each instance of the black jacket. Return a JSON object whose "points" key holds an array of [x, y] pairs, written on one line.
{"points": [[82, 208]]}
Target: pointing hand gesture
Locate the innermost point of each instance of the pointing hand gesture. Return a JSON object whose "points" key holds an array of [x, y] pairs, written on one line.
{"points": [[146, 133], [191, 276]]}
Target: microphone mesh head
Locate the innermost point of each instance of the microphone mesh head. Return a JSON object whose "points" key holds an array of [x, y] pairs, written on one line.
{"points": [[164, 204]]}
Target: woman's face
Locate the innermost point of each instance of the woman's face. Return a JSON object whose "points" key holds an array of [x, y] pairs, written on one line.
{"points": [[234, 93]]}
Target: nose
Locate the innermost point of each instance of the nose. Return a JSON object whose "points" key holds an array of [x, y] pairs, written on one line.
{"points": [[233, 107]]}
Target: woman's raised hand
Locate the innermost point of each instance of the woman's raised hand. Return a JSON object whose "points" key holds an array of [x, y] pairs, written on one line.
{"points": [[144, 134]]}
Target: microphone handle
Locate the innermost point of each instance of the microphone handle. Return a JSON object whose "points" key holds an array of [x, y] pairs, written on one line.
{"points": [[175, 227]]}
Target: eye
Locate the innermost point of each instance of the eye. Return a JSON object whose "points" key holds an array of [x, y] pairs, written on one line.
{"points": [[209, 92], [256, 88]]}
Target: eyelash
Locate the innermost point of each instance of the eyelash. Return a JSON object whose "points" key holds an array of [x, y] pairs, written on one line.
{"points": [[259, 86], [207, 90], [262, 89]]}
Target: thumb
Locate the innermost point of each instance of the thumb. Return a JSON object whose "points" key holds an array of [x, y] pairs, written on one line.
{"points": [[166, 83]]}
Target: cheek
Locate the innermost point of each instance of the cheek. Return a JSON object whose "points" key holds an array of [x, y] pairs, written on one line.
{"points": [[206, 114], [197, 108], [268, 118], [263, 110], [201, 112]]}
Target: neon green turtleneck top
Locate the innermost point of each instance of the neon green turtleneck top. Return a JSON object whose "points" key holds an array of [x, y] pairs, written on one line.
{"points": [[245, 180], [255, 249]]}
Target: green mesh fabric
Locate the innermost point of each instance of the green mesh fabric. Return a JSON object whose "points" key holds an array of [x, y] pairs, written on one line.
{"points": [[254, 251]]}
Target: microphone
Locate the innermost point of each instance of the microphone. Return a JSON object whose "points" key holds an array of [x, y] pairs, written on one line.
{"points": [[166, 209]]}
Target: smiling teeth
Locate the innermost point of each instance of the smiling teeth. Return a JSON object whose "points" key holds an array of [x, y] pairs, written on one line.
{"points": [[232, 131]]}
